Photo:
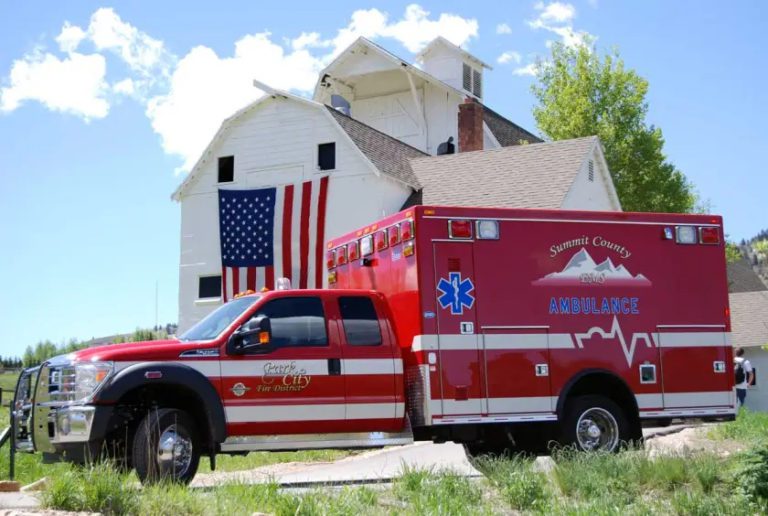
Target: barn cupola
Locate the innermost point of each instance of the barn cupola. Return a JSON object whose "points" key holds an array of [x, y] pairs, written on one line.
{"points": [[454, 66]]}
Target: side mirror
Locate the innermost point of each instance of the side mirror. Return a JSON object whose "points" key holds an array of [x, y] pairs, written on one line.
{"points": [[254, 336]]}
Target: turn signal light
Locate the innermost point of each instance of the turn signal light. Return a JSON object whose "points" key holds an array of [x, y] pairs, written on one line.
{"points": [[709, 235], [408, 249], [459, 229], [264, 337], [332, 277]]}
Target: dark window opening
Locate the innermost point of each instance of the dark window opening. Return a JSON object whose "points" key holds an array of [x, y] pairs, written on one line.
{"points": [[477, 86], [591, 174], [326, 156], [361, 324], [209, 287], [466, 77], [226, 169], [296, 321]]}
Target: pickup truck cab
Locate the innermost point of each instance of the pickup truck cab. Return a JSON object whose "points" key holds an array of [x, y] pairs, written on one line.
{"points": [[279, 370]]}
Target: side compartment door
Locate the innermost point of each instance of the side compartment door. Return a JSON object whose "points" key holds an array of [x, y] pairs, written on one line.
{"points": [[373, 371], [461, 371], [517, 370], [693, 367], [293, 385]]}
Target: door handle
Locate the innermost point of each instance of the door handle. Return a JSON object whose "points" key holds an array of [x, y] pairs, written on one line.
{"points": [[334, 366]]}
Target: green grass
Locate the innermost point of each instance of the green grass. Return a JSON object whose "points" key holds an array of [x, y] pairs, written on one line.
{"points": [[749, 427]]}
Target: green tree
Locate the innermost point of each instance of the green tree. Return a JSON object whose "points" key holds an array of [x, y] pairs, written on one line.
{"points": [[580, 94]]}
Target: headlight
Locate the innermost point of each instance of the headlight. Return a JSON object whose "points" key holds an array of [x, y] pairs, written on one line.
{"points": [[76, 383]]}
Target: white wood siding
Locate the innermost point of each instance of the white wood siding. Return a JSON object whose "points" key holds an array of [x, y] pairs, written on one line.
{"points": [[590, 195], [273, 145]]}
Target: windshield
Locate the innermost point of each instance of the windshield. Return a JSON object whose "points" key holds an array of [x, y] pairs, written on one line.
{"points": [[218, 320]]}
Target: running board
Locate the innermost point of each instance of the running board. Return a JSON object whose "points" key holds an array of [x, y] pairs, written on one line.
{"points": [[316, 441]]}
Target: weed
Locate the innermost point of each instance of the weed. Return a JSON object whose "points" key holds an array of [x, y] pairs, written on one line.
{"points": [[748, 427], [519, 486], [752, 473], [97, 489], [443, 492]]}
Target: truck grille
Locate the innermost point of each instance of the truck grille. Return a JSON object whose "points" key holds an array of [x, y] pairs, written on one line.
{"points": [[61, 384]]}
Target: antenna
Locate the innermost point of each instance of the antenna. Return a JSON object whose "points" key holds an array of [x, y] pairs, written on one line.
{"points": [[157, 288]]}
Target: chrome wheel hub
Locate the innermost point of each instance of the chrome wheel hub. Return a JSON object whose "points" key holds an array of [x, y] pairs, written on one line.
{"points": [[597, 429], [174, 452]]}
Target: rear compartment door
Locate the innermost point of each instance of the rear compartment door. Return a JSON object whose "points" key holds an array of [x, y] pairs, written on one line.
{"points": [[461, 371], [693, 367]]}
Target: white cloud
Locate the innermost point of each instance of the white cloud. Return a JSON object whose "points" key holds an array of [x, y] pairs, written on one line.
{"points": [[70, 37], [509, 57], [124, 87], [529, 69], [503, 28], [309, 40], [414, 30], [142, 53], [557, 17], [73, 85]]}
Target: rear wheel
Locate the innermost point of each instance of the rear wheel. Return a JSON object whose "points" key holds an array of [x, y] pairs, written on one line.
{"points": [[166, 447], [594, 423]]}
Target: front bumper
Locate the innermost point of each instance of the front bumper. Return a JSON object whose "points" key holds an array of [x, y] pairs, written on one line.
{"points": [[40, 425]]}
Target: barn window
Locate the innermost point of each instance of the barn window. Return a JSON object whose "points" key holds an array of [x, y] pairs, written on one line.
{"points": [[226, 169], [209, 287], [591, 171], [326, 156], [467, 77], [477, 86]]}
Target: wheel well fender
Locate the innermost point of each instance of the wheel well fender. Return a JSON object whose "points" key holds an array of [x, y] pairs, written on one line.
{"points": [[170, 379], [604, 383]]}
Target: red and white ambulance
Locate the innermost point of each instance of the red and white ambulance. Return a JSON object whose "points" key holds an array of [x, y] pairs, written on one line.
{"points": [[496, 328]]}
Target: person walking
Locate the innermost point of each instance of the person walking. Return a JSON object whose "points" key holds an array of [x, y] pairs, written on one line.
{"points": [[744, 375]]}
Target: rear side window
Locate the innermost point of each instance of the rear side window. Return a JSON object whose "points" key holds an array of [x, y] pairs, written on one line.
{"points": [[361, 324], [296, 321]]}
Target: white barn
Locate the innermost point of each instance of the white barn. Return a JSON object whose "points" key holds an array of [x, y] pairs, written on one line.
{"points": [[362, 148]]}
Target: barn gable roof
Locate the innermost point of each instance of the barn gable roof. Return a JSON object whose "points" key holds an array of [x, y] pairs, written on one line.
{"points": [[538, 175], [389, 155]]}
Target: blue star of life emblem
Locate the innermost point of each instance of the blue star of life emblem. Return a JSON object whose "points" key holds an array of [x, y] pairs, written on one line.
{"points": [[456, 293]]}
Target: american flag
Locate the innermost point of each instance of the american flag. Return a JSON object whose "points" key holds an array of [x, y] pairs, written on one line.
{"points": [[272, 233]]}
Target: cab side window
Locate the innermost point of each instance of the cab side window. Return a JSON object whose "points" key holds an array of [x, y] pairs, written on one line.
{"points": [[361, 324], [296, 321]]}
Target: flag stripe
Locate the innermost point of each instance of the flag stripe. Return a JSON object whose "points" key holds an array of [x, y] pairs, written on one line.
{"points": [[235, 280], [251, 285], [319, 248], [224, 284], [311, 226], [286, 230], [269, 274], [306, 196]]}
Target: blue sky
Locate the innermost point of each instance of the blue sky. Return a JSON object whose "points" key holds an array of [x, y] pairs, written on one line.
{"points": [[103, 107]]}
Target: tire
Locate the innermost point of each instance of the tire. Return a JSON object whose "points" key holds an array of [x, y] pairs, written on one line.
{"points": [[594, 423], [166, 447]]}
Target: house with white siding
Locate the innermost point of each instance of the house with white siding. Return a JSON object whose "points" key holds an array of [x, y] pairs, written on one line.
{"points": [[379, 134]]}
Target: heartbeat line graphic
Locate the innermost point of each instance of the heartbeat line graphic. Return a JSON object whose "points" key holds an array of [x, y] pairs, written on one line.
{"points": [[615, 332]]}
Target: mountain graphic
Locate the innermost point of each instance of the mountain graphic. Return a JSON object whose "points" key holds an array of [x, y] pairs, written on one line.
{"points": [[582, 270]]}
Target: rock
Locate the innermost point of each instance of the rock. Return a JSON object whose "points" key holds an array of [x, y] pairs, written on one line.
{"points": [[8, 486], [544, 464], [37, 485]]}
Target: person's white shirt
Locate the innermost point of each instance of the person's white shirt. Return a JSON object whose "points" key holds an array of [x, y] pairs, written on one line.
{"points": [[747, 371]]}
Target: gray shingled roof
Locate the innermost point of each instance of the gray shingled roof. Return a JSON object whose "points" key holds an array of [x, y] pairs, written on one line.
{"points": [[506, 132], [742, 278], [749, 318], [388, 154], [537, 175]]}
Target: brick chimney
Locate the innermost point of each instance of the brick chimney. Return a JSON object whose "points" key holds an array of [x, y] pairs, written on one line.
{"points": [[470, 125]]}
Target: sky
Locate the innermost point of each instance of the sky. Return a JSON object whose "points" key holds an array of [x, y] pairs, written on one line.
{"points": [[105, 107]]}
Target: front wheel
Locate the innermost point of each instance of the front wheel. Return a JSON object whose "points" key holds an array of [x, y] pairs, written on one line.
{"points": [[166, 447], [594, 423]]}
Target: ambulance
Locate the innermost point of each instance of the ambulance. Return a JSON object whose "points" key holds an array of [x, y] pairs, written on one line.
{"points": [[504, 330]]}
